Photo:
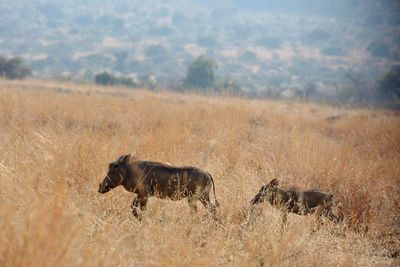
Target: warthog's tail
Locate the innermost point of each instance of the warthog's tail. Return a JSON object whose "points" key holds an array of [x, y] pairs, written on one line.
{"points": [[215, 196]]}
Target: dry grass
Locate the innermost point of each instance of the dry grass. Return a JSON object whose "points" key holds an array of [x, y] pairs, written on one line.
{"points": [[57, 139]]}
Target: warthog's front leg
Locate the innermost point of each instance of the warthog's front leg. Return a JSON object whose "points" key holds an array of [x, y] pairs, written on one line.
{"points": [[331, 216], [139, 202], [192, 204]]}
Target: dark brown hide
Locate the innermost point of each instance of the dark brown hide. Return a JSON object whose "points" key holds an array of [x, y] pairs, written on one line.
{"points": [[147, 178], [297, 201]]}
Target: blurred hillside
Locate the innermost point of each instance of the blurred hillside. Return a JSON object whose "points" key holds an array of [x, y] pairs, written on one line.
{"points": [[272, 48]]}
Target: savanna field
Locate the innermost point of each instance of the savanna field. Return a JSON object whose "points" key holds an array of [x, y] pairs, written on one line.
{"points": [[56, 141]]}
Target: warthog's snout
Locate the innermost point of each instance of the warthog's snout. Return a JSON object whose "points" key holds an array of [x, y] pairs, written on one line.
{"points": [[103, 187], [260, 196], [256, 199]]}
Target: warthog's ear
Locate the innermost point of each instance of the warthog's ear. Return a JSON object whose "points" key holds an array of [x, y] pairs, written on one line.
{"points": [[125, 158], [274, 183]]}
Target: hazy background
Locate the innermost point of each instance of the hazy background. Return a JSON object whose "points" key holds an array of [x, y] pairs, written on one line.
{"points": [[269, 48]]}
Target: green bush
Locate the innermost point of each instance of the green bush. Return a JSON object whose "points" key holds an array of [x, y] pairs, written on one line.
{"points": [[106, 78], [13, 68], [201, 73], [126, 81], [103, 78]]}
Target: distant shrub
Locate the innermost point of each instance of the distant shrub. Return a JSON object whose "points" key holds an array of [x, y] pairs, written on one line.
{"points": [[106, 78], [14, 68], [103, 78], [126, 81], [201, 73], [379, 49]]}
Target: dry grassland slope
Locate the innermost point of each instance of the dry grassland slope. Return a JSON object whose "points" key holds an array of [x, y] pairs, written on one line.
{"points": [[57, 139]]}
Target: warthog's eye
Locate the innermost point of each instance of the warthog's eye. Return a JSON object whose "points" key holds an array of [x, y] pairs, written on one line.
{"points": [[113, 166], [263, 188]]}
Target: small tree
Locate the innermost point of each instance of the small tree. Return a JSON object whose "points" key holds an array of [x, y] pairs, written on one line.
{"points": [[389, 83], [126, 81], [103, 78], [106, 78], [201, 73], [14, 68]]}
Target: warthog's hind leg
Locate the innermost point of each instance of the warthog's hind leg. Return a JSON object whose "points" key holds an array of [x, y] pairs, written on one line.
{"points": [[327, 212], [331, 216], [205, 200]]}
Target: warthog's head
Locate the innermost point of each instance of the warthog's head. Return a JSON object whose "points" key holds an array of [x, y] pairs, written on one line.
{"points": [[267, 192], [118, 171]]}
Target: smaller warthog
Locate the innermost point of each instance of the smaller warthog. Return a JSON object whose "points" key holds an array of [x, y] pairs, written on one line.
{"points": [[147, 178], [297, 201]]}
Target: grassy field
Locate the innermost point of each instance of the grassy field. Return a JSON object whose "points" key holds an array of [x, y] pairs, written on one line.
{"points": [[56, 141]]}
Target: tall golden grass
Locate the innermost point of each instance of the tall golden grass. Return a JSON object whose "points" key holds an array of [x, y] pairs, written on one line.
{"points": [[56, 141]]}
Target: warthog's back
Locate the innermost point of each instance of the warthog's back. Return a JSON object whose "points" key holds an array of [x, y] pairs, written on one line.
{"points": [[314, 198], [174, 182], [299, 201]]}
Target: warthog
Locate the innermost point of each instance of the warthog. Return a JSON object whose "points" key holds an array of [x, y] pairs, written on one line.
{"points": [[297, 201], [147, 178]]}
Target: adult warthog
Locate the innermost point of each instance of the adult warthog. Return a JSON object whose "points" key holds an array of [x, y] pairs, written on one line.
{"points": [[297, 201], [147, 178]]}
